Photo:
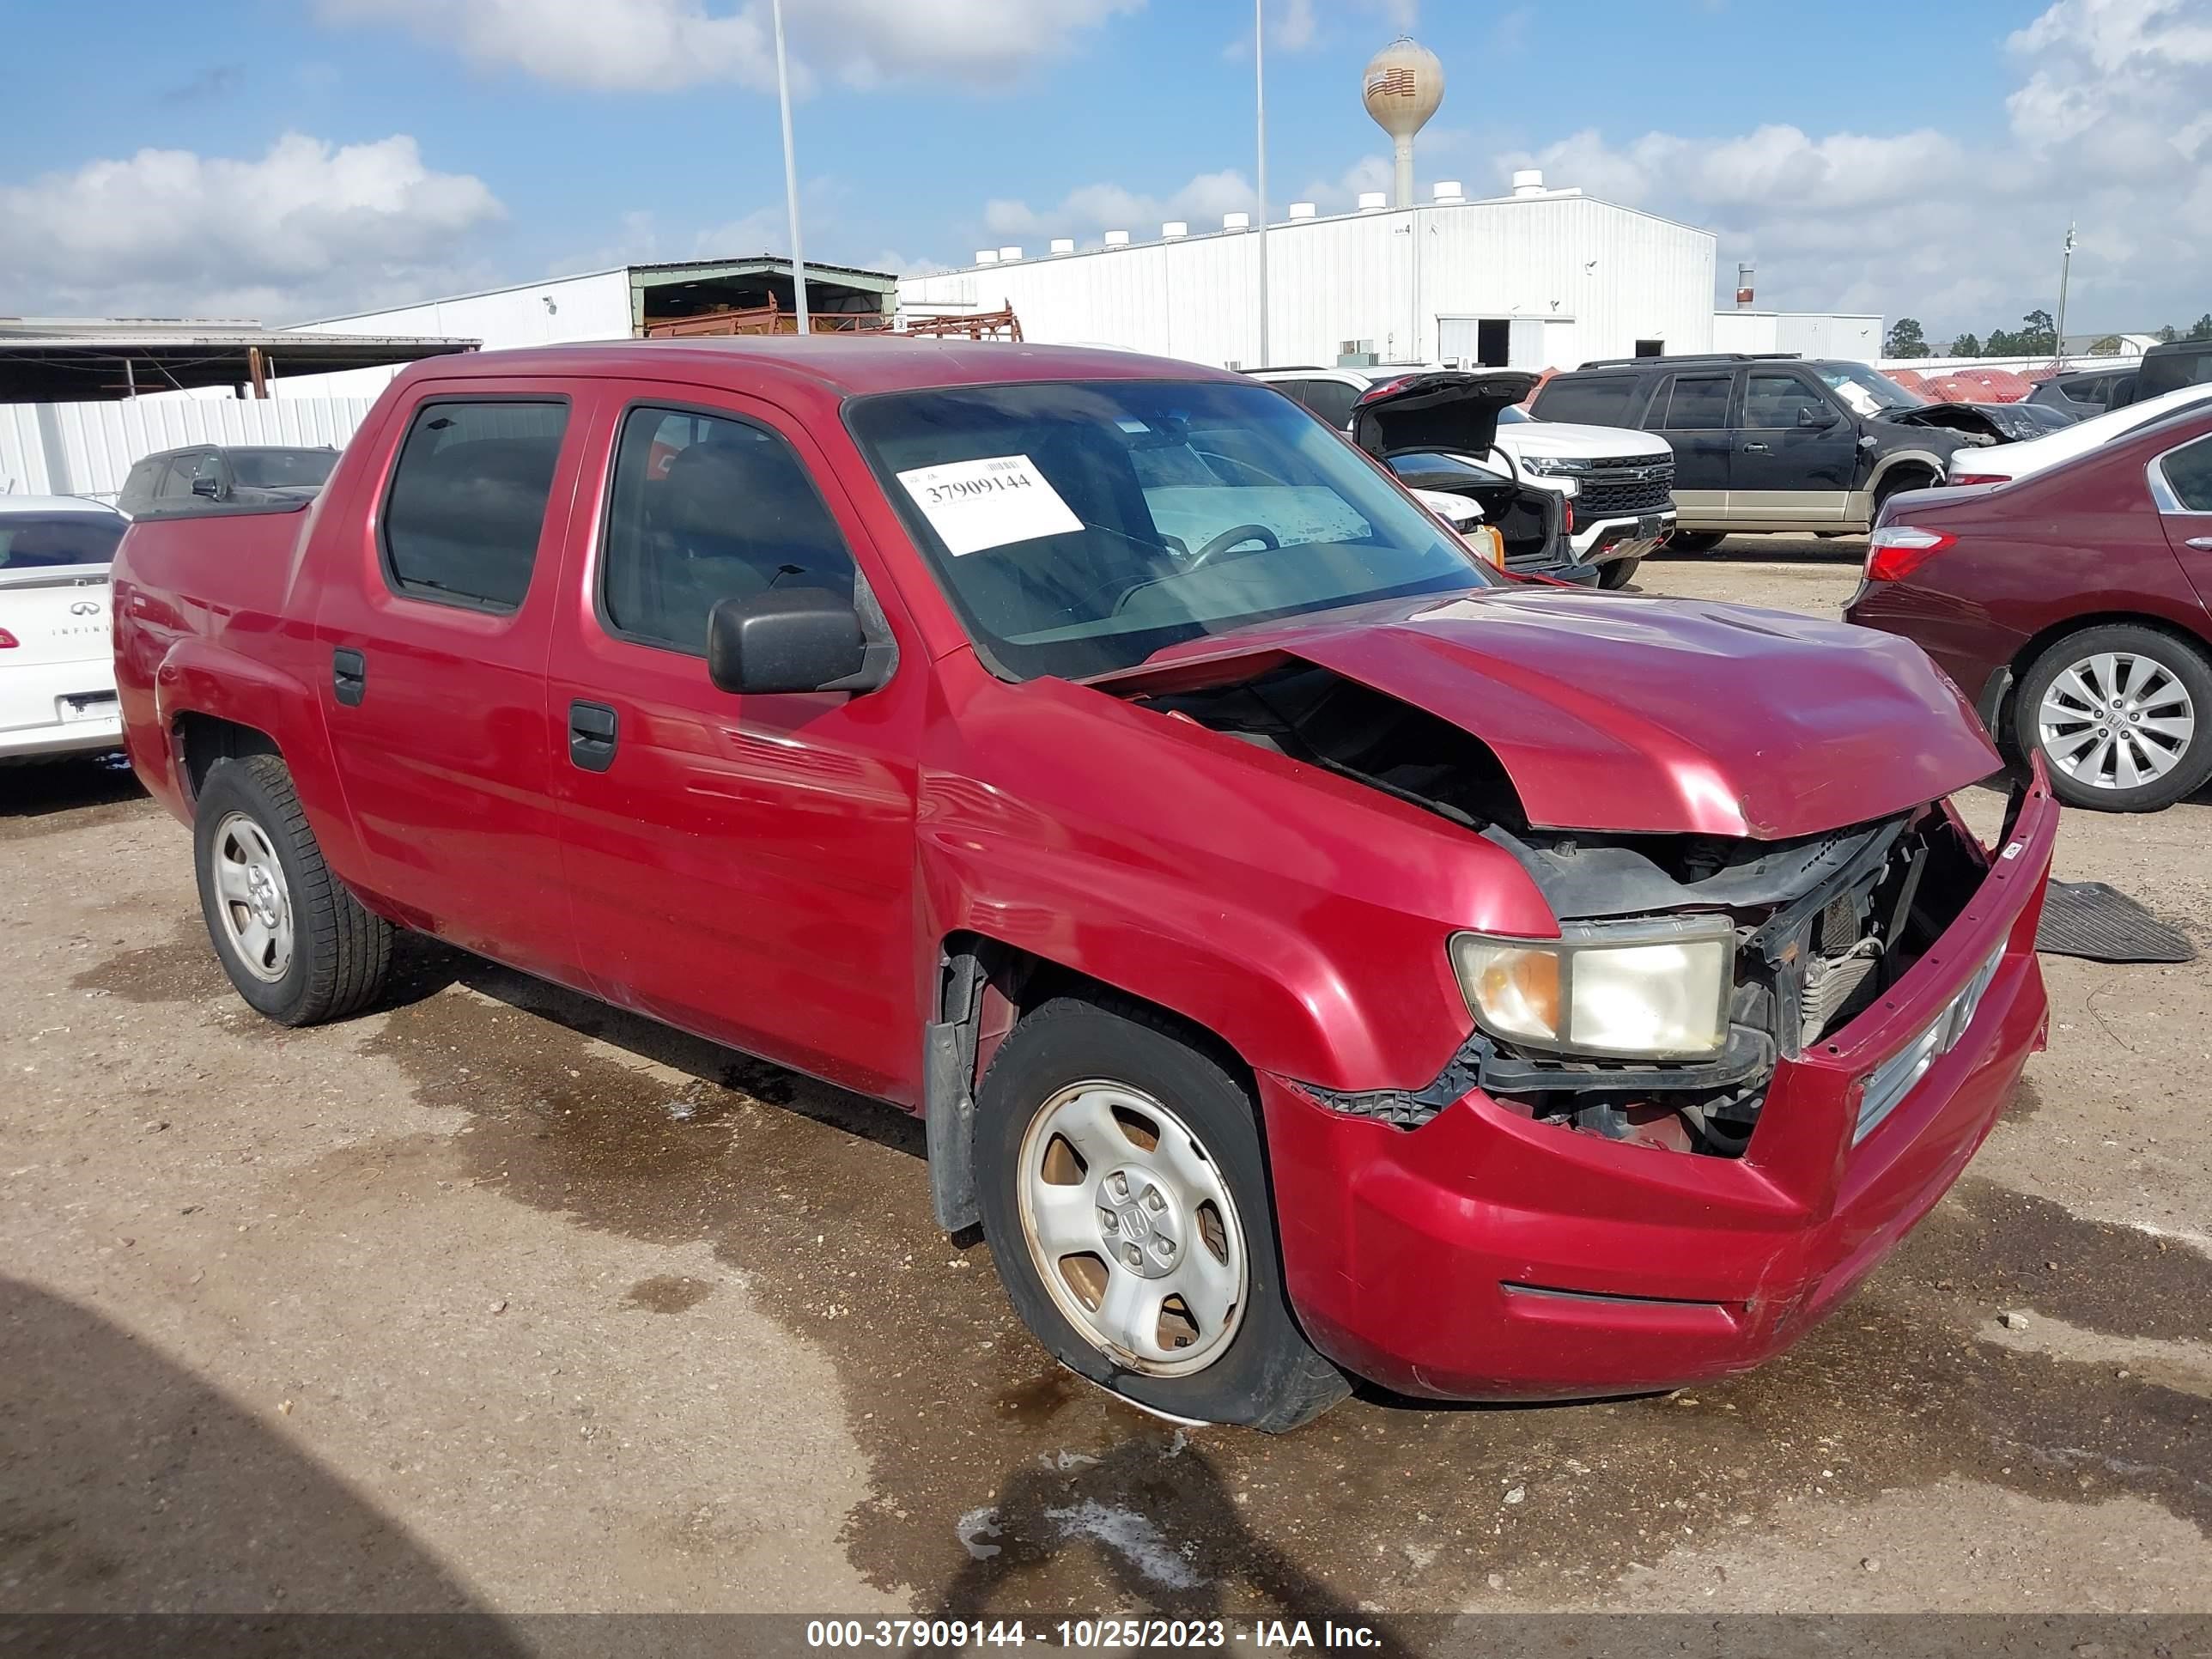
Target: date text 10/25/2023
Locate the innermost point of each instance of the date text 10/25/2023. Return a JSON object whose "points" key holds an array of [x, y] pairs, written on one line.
{"points": [[924, 1635]]}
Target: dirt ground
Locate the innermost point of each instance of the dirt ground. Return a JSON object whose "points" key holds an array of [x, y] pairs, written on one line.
{"points": [[498, 1299]]}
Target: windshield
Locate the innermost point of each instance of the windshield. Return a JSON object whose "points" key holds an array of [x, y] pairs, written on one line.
{"points": [[1864, 391], [1079, 527], [280, 469], [36, 541], [1513, 415]]}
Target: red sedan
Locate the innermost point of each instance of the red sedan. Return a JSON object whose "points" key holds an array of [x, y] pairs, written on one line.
{"points": [[2071, 607]]}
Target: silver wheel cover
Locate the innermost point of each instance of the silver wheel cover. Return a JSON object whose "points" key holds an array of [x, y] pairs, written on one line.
{"points": [[1131, 1229], [253, 905]]}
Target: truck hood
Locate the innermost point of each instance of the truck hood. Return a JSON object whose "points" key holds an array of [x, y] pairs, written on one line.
{"points": [[1626, 715], [1565, 440], [1444, 409]]}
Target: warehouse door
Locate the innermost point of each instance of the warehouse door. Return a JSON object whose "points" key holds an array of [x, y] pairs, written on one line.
{"points": [[1475, 342]]}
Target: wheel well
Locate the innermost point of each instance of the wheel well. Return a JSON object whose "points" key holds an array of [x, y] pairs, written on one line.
{"points": [[983, 988], [1913, 474], [203, 739], [1014, 981], [2038, 644]]}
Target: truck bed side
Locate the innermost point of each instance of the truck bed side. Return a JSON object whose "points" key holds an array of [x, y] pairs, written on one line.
{"points": [[212, 613]]}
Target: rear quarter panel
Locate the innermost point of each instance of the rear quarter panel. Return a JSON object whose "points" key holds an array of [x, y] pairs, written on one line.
{"points": [[211, 619], [2079, 541]]}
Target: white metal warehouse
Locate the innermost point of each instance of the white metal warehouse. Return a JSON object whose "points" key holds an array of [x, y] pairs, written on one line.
{"points": [[1541, 278]]}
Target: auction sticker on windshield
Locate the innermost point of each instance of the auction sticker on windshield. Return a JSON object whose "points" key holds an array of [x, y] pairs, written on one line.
{"points": [[974, 505]]}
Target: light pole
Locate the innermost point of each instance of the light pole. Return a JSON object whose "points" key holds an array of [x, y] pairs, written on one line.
{"points": [[790, 172], [2065, 270], [1259, 107]]}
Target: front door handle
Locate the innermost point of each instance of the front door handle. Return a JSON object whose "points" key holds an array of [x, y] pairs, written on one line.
{"points": [[2203, 542], [592, 730], [349, 676], [1755, 449]]}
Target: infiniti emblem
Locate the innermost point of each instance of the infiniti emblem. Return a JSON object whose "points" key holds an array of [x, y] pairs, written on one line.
{"points": [[85, 608]]}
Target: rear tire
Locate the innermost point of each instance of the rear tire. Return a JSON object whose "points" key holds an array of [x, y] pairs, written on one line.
{"points": [[1068, 1186], [1696, 541], [296, 944], [2116, 700], [1897, 484], [1618, 574]]}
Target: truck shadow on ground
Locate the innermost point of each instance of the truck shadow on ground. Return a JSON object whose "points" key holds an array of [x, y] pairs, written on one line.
{"points": [[43, 797], [130, 1487]]}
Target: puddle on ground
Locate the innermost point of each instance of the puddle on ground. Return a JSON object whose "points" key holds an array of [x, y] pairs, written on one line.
{"points": [[1002, 1483], [668, 1293], [181, 969]]}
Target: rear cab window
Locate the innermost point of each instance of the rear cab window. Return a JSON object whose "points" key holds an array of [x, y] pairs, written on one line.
{"points": [[465, 508], [1593, 400]]}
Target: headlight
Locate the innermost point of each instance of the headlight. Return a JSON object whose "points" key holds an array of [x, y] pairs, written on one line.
{"points": [[1554, 467], [1649, 990]]}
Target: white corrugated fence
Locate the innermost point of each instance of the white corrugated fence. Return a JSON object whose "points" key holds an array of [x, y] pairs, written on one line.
{"points": [[87, 449]]}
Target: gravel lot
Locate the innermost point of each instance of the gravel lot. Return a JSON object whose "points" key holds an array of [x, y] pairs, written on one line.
{"points": [[497, 1298]]}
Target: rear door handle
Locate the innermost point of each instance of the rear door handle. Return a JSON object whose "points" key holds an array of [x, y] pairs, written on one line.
{"points": [[593, 727], [1755, 449], [349, 676], [2205, 542]]}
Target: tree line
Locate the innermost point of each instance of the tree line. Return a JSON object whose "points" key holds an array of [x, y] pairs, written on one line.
{"points": [[2036, 336]]}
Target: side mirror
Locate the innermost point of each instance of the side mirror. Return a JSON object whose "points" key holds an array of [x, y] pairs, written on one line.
{"points": [[797, 639], [1814, 418], [210, 488]]}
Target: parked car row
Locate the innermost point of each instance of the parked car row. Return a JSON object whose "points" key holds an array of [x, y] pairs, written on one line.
{"points": [[1313, 952], [1614, 486]]}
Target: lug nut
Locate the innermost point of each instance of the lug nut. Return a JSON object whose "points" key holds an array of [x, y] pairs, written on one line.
{"points": [[1133, 1255], [1153, 1201], [1109, 1222], [1118, 1185], [1166, 1249]]}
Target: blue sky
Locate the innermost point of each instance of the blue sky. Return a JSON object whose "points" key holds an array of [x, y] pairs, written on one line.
{"points": [[1877, 155]]}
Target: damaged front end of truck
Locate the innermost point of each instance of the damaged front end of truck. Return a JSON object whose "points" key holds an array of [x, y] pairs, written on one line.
{"points": [[1703, 939]]}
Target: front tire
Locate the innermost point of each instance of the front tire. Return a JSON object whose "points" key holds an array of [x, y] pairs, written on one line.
{"points": [[296, 944], [1618, 574], [2122, 716], [1696, 541], [1125, 1197]]}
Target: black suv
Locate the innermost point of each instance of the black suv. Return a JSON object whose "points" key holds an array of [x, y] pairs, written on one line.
{"points": [[1774, 441], [255, 475]]}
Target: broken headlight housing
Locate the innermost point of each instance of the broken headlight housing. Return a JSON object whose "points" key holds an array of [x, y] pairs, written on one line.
{"points": [[1653, 989]]}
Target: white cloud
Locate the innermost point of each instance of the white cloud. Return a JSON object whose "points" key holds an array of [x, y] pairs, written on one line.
{"points": [[1091, 208], [2110, 123], [635, 46], [307, 227]]}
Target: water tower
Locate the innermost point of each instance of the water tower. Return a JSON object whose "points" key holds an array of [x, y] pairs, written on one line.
{"points": [[1402, 86]]}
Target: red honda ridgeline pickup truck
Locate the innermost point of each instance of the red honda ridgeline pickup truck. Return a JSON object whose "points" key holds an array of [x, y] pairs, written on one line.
{"points": [[1310, 951]]}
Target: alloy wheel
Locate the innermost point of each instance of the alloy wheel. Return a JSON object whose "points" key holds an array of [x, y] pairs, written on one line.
{"points": [[2115, 720]]}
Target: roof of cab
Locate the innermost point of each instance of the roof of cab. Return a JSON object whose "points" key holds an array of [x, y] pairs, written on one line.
{"points": [[847, 365]]}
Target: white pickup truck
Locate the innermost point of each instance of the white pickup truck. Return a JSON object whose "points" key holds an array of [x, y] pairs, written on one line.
{"points": [[56, 651]]}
